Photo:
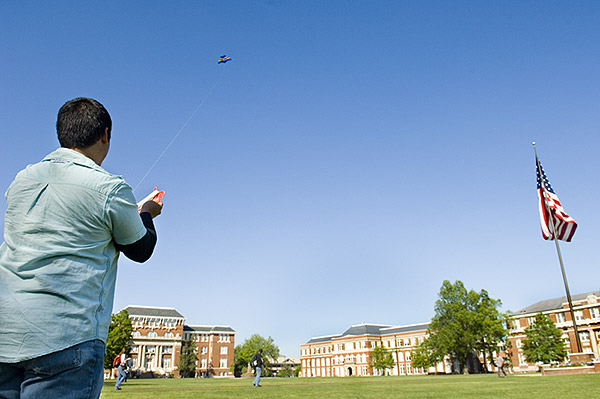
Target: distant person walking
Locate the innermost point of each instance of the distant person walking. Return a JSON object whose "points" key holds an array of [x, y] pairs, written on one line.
{"points": [[257, 363], [121, 364], [500, 363]]}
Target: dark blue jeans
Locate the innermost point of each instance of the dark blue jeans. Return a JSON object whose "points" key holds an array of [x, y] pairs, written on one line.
{"points": [[73, 373]]}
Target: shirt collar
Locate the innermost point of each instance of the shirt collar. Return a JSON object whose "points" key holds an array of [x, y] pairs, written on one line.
{"points": [[69, 155]]}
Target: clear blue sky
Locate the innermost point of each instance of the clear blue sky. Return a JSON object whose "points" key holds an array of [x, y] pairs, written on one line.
{"points": [[352, 156]]}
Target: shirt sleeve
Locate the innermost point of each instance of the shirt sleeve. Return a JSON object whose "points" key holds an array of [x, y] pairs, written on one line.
{"points": [[141, 250], [127, 227]]}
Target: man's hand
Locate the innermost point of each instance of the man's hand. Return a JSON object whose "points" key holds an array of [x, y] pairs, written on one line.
{"points": [[152, 207]]}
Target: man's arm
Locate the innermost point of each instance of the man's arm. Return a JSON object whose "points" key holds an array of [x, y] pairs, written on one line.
{"points": [[141, 250]]}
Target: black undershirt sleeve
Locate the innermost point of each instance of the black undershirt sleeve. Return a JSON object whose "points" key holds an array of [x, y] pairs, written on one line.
{"points": [[141, 250]]}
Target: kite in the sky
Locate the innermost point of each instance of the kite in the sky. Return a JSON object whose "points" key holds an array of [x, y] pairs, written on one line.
{"points": [[224, 59]]}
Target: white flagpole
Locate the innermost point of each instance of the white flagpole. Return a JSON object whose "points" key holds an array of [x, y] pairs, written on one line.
{"points": [[562, 267]]}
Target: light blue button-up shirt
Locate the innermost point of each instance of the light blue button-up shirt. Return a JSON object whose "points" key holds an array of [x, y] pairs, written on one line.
{"points": [[58, 262]]}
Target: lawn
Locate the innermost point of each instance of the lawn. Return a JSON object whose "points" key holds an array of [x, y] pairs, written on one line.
{"points": [[468, 386]]}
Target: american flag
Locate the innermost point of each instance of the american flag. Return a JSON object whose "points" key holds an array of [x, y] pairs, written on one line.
{"points": [[550, 207]]}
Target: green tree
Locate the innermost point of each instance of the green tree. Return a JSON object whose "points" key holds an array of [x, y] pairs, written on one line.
{"points": [[286, 371], [119, 336], [490, 324], [544, 341], [188, 359], [425, 355], [245, 352], [381, 359], [465, 322]]}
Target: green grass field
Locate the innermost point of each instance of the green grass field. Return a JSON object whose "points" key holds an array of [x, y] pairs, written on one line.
{"points": [[468, 386]]}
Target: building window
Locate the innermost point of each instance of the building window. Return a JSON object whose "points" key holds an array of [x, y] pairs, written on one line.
{"points": [[134, 349], [560, 317], [565, 338], [148, 363], [518, 343], [166, 362], [584, 336], [595, 313], [522, 359], [223, 350], [169, 335], [150, 349], [204, 350], [223, 337], [578, 315], [152, 334], [204, 363], [223, 363], [136, 334], [531, 320], [516, 324], [167, 349]]}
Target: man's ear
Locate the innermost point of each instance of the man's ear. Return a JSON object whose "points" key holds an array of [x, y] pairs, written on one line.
{"points": [[104, 137]]}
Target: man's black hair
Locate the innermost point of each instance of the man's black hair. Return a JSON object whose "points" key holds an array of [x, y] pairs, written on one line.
{"points": [[81, 123]]}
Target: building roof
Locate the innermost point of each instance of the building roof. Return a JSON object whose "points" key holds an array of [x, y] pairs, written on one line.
{"points": [[404, 329], [370, 329], [287, 360], [153, 311], [554, 303], [326, 338], [208, 329], [365, 329]]}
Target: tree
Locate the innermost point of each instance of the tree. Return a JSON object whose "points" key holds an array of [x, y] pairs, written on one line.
{"points": [[544, 341], [381, 359], [188, 360], [286, 371], [465, 322], [119, 336], [425, 355], [245, 352], [491, 325]]}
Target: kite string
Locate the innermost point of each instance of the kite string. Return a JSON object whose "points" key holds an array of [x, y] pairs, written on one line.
{"points": [[179, 132]]}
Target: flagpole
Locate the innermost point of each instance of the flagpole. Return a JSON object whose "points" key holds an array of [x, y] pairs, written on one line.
{"points": [[562, 267]]}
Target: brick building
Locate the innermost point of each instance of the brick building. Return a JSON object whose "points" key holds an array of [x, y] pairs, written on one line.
{"points": [[215, 349], [587, 315], [348, 354], [158, 335]]}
